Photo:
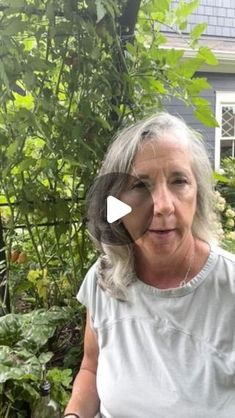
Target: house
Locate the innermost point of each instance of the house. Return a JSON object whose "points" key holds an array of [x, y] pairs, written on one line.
{"points": [[220, 37]]}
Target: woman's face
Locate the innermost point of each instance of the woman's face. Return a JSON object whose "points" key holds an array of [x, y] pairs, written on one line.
{"points": [[164, 168]]}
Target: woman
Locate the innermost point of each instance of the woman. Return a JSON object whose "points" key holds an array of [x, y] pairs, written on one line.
{"points": [[160, 335]]}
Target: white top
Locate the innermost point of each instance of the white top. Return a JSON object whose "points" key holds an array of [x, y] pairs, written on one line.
{"points": [[167, 353]]}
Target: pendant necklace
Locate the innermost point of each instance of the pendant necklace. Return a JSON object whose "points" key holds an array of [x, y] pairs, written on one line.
{"points": [[184, 281]]}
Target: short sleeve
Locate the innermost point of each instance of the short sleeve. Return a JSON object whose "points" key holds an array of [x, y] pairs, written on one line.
{"points": [[87, 294]]}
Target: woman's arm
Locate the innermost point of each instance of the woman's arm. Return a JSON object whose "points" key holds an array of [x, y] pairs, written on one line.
{"points": [[84, 400]]}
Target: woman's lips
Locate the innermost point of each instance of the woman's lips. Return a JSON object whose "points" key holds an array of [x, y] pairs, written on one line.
{"points": [[161, 232]]}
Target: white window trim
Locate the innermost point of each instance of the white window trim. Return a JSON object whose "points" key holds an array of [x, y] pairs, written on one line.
{"points": [[222, 97]]}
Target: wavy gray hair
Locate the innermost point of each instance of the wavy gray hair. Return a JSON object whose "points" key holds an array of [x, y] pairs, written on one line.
{"points": [[116, 265]]}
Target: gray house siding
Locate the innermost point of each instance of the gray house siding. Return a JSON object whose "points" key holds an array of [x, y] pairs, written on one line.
{"points": [[219, 82], [220, 37], [218, 14]]}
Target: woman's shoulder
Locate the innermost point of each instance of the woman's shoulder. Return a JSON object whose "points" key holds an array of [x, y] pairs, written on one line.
{"points": [[89, 283], [93, 270], [224, 265], [223, 253]]}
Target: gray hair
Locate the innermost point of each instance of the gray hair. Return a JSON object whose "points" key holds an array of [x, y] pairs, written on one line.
{"points": [[116, 268]]}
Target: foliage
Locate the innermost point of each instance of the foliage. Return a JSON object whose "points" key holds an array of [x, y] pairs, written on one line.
{"points": [[228, 186], [159, 72], [23, 351], [59, 109], [226, 202], [67, 82]]}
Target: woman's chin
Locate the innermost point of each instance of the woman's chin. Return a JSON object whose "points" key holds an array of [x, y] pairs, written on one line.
{"points": [[152, 242]]}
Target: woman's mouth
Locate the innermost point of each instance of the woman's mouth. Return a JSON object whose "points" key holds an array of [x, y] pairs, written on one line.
{"points": [[161, 232]]}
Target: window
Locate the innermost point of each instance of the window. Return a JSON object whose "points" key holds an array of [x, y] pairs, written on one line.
{"points": [[225, 133]]}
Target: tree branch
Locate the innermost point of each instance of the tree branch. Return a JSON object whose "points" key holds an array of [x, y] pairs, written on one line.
{"points": [[128, 19]]}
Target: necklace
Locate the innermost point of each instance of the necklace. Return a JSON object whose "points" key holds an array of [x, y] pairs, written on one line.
{"points": [[184, 281]]}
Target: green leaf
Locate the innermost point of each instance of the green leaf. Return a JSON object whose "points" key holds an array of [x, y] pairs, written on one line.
{"points": [[14, 26], [62, 29], [63, 377], [12, 149], [29, 44], [220, 177], [26, 164], [159, 86], [131, 48], [61, 229], [205, 115], [26, 102], [200, 101], [10, 331], [40, 325], [27, 388], [31, 331], [162, 5], [207, 55], [38, 64], [100, 10], [104, 123], [61, 210], [198, 30], [183, 25], [3, 76], [111, 8], [3, 139], [17, 364], [190, 66], [29, 80], [155, 85], [45, 357], [185, 9], [198, 84], [173, 56]]}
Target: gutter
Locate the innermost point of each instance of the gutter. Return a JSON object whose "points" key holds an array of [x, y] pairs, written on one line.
{"points": [[223, 48]]}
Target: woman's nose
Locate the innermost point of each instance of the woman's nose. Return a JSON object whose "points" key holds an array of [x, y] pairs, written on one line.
{"points": [[162, 201]]}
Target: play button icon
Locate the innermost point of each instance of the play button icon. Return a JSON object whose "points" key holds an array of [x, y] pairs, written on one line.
{"points": [[119, 209], [116, 209]]}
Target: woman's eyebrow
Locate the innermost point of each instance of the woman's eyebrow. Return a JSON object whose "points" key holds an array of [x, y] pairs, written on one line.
{"points": [[173, 173], [141, 176], [179, 173]]}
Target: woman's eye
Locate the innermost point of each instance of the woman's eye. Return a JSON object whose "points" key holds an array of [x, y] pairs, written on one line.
{"points": [[180, 181], [138, 185]]}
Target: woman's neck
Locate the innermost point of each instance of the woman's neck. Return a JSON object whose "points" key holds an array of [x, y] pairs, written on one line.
{"points": [[169, 271]]}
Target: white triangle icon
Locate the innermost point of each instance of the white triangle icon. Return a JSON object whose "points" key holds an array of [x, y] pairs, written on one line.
{"points": [[116, 209]]}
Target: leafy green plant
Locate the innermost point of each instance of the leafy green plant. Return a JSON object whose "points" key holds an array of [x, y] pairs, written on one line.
{"points": [[23, 350], [228, 187], [69, 78], [226, 201]]}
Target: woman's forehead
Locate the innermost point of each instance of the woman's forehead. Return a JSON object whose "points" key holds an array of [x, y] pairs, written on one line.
{"points": [[168, 146]]}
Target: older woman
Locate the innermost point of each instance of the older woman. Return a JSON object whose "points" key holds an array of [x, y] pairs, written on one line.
{"points": [[160, 334]]}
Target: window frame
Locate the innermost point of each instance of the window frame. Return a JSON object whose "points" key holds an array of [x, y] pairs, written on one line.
{"points": [[222, 98]]}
